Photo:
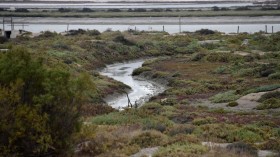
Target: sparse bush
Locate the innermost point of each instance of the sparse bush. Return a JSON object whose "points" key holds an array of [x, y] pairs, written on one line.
{"points": [[225, 97], [114, 10], [271, 144], [182, 150], [263, 88], [149, 139], [93, 32], [76, 32], [274, 76], [23, 10], [3, 40], [205, 32], [202, 121], [271, 103], [123, 40], [64, 10], [270, 95], [221, 70], [151, 107], [48, 34], [222, 57], [181, 129], [197, 56], [139, 10], [169, 102], [87, 10]]}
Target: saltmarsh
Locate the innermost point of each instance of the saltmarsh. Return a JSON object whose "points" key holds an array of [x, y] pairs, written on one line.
{"points": [[221, 73]]}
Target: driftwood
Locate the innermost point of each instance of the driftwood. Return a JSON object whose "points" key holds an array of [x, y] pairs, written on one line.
{"points": [[129, 102]]}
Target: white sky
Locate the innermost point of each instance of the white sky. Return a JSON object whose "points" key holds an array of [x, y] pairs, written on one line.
{"points": [[153, 0]]}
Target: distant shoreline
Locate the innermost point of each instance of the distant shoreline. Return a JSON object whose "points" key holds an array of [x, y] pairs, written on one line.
{"points": [[150, 21], [136, 1]]}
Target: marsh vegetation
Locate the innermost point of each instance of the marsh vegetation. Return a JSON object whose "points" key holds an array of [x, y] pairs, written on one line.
{"points": [[225, 92]]}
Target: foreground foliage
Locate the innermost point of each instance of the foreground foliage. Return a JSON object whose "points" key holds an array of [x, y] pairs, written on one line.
{"points": [[39, 108]]}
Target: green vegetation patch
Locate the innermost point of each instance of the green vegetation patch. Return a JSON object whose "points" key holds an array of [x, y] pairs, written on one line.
{"points": [[182, 150], [270, 95], [140, 70], [271, 103], [232, 104], [225, 97], [149, 139]]}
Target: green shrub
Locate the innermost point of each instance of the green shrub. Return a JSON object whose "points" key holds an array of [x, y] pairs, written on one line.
{"points": [[182, 138], [269, 95], [271, 144], [202, 121], [169, 102], [263, 88], [197, 56], [232, 104], [149, 139], [271, 103], [39, 107], [182, 150], [181, 129], [205, 32], [140, 70], [193, 47], [225, 97], [221, 70], [222, 57], [93, 32], [155, 126], [115, 118], [274, 76], [246, 135], [151, 107]]}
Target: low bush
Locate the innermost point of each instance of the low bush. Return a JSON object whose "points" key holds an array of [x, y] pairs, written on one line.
{"points": [[271, 103], [205, 32], [232, 104], [271, 144], [149, 139], [197, 56], [274, 76], [221, 70], [246, 134], [140, 70], [263, 88], [270, 95], [93, 32], [182, 150], [181, 129], [151, 108], [202, 121], [225, 97], [222, 57], [183, 138]]}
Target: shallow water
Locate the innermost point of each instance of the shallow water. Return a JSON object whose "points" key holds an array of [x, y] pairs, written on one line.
{"points": [[121, 5], [142, 89], [226, 28]]}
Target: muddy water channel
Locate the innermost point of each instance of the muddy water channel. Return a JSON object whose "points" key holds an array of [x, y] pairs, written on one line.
{"points": [[141, 89]]}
